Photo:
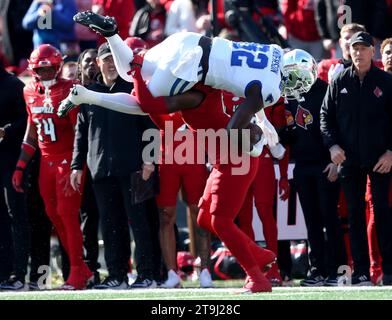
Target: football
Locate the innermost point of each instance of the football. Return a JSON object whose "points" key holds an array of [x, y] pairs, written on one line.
{"points": [[255, 133]]}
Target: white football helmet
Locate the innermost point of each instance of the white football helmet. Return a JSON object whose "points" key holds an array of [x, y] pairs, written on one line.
{"points": [[299, 73]]}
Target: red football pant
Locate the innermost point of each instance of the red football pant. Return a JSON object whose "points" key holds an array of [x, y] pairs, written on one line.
{"points": [[61, 209], [263, 190], [223, 198], [374, 251], [192, 177]]}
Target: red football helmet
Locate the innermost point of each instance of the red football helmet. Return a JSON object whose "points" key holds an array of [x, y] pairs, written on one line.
{"points": [[136, 44], [45, 62]]}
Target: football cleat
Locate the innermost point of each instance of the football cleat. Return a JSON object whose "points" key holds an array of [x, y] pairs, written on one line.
{"points": [[255, 286], [105, 26], [274, 277]]}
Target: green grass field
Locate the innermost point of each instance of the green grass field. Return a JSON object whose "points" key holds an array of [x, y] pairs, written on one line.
{"points": [[224, 291]]}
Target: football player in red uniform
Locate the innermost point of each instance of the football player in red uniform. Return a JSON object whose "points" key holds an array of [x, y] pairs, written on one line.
{"points": [[225, 192], [54, 137], [263, 188]]}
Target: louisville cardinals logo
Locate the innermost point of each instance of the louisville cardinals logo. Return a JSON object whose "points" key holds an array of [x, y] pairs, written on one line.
{"points": [[303, 117]]}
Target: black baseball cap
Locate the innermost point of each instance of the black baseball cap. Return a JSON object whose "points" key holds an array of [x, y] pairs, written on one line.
{"points": [[362, 37], [104, 51]]}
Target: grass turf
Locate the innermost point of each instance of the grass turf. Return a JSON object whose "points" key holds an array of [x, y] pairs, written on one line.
{"points": [[224, 291]]}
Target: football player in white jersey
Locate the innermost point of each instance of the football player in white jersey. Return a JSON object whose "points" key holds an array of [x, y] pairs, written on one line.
{"points": [[249, 70]]}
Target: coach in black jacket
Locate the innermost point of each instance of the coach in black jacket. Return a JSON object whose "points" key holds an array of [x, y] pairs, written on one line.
{"points": [[111, 142], [356, 123]]}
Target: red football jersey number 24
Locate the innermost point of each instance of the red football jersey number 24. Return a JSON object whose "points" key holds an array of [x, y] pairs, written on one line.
{"points": [[48, 127]]}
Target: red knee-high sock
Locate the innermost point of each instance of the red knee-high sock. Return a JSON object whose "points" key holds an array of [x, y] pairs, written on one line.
{"points": [[245, 216], [235, 240], [148, 103], [74, 239], [60, 230], [270, 229]]}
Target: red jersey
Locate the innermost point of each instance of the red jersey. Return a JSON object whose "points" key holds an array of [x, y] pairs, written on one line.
{"points": [[209, 114], [275, 114], [55, 135]]}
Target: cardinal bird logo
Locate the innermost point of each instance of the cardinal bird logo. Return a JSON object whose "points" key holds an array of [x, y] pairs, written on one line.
{"points": [[377, 92], [303, 117]]}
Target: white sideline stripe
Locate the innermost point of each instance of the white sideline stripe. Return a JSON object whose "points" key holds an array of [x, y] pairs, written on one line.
{"points": [[206, 291]]}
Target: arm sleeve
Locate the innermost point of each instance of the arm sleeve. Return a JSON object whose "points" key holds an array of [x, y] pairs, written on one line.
{"points": [[328, 121], [284, 162], [80, 149]]}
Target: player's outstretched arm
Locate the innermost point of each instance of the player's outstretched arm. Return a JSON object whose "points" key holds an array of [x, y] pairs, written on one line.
{"points": [[29, 145], [120, 102]]}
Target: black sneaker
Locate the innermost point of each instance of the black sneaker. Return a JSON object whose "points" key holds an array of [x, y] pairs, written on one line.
{"points": [[94, 281], [13, 284], [361, 280], [387, 280], [111, 283], [315, 279], [331, 281], [106, 26], [143, 283], [34, 286]]}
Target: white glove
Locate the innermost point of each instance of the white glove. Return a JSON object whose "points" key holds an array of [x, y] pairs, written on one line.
{"points": [[79, 95], [257, 149], [334, 70], [268, 129]]}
